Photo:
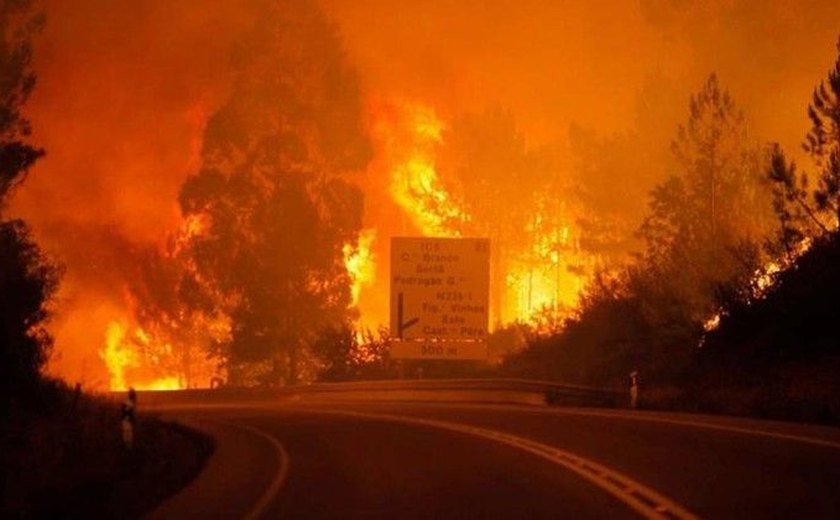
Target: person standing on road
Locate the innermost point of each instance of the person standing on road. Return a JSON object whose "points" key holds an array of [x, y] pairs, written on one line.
{"points": [[128, 417]]}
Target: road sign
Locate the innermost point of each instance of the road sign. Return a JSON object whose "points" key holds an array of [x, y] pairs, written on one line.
{"points": [[439, 297], [420, 349]]}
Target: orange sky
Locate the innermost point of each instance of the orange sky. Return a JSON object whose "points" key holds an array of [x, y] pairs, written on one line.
{"points": [[553, 63], [124, 89]]}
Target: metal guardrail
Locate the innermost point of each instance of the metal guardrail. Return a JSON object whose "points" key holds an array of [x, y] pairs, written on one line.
{"points": [[551, 393], [555, 393]]}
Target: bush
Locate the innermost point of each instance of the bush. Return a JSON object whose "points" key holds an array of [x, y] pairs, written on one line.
{"points": [[27, 282]]}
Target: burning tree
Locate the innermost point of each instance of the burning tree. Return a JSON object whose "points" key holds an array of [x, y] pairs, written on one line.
{"points": [[177, 329], [612, 174], [804, 214], [701, 235], [788, 335], [705, 224], [498, 178], [272, 191], [513, 195], [411, 136], [823, 141]]}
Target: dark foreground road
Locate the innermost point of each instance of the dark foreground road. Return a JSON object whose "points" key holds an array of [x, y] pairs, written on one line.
{"points": [[314, 458]]}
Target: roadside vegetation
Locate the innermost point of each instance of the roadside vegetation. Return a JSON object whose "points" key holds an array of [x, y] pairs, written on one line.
{"points": [[61, 454], [728, 305], [66, 459], [731, 306], [724, 299]]}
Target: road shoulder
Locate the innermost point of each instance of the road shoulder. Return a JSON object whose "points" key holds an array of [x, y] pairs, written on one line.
{"points": [[235, 479]]}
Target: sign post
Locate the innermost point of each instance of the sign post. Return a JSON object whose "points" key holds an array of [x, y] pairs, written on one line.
{"points": [[440, 289]]}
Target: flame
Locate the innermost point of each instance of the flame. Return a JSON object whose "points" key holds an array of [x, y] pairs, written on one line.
{"points": [[547, 273], [194, 225], [169, 351], [410, 140], [540, 270], [117, 358], [164, 383], [121, 358], [360, 264], [544, 281], [764, 279], [137, 358], [712, 323]]}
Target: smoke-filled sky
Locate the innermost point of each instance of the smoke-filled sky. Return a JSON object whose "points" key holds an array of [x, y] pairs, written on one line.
{"points": [[124, 89], [552, 62]]}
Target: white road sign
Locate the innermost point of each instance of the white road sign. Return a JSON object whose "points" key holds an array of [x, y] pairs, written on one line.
{"points": [[439, 297]]}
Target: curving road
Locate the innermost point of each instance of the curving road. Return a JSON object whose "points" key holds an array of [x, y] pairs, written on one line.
{"points": [[314, 457]]}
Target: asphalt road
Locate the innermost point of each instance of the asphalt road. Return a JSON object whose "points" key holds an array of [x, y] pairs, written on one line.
{"points": [[315, 458]]}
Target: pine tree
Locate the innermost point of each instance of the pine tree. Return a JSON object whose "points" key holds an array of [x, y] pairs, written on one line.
{"points": [[706, 221], [823, 141], [802, 212]]}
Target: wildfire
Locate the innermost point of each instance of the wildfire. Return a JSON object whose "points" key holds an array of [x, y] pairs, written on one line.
{"points": [[122, 359], [544, 280], [194, 225], [712, 323], [410, 141], [764, 279], [117, 358], [538, 269], [359, 261], [149, 359]]}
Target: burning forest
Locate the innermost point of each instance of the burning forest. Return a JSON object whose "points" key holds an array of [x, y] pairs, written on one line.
{"points": [[242, 242], [221, 182]]}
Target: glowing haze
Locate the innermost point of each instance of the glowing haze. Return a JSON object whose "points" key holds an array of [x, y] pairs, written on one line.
{"points": [[125, 89]]}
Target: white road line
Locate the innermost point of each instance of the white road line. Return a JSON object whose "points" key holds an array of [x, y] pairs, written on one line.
{"points": [[640, 498], [641, 416], [279, 478], [700, 424]]}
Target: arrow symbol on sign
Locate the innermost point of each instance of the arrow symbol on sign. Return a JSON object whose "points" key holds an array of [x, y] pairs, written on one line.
{"points": [[403, 325]]}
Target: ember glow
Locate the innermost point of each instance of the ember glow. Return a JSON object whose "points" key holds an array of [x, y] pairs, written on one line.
{"points": [[358, 259], [410, 138], [123, 119], [145, 360], [542, 272], [546, 279], [125, 365]]}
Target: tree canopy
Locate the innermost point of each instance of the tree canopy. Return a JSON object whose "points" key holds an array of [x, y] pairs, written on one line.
{"points": [[27, 278], [708, 221], [273, 193], [823, 141], [17, 155]]}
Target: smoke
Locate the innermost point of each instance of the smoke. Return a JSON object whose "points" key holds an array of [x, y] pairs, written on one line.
{"points": [[125, 89], [603, 85], [123, 93], [553, 63]]}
